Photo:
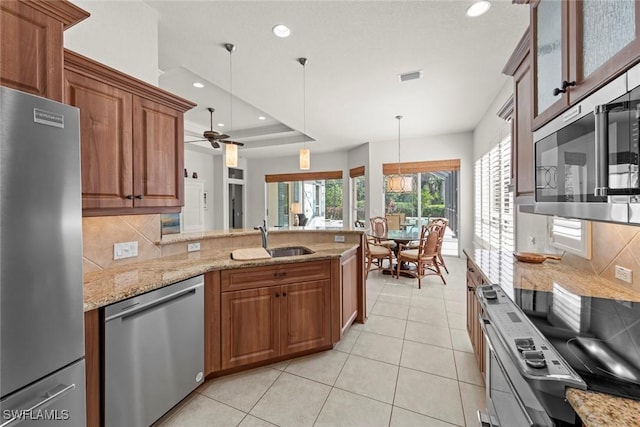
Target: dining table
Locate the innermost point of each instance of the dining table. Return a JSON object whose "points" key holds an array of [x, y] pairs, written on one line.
{"points": [[401, 237]]}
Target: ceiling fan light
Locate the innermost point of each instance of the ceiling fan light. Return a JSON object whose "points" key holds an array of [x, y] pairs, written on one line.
{"points": [[305, 159], [231, 154], [478, 8], [198, 85]]}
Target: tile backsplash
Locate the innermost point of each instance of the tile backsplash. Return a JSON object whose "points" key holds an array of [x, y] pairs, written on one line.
{"points": [[100, 233], [612, 244]]}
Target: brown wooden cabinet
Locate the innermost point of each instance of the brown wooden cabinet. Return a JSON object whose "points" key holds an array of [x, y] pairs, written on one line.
{"points": [[349, 289], [31, 53], [567, 48], [474, 310], [131, 140], [276, 310], [523, 162]]}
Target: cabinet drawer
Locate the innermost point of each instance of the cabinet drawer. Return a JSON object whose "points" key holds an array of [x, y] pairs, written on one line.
{"points": [[254, 277]]}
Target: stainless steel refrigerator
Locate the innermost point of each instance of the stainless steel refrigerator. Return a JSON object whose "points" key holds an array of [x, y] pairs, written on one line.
{"points": [[41, 307]]}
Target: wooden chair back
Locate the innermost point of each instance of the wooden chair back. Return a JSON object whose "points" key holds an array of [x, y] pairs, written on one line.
{"points": [[430, 244], [379, 226]]}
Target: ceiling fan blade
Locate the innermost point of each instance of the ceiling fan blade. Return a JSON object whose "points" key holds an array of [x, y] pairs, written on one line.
{"points": [[214, 143], [197, 140], [239, 144]]}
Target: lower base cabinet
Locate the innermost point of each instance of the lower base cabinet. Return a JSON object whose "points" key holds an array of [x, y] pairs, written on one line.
{"points": [[290, 315], [474, 311]]}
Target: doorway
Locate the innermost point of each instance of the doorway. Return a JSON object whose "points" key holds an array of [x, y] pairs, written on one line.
{"points": [[236, 208]]}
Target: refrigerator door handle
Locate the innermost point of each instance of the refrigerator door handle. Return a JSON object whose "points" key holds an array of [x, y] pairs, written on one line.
{"points": [[52, 395]]}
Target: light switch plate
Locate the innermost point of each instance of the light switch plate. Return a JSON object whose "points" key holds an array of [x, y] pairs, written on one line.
{"points": [[338, 239], [192, 247], [125, 250]]}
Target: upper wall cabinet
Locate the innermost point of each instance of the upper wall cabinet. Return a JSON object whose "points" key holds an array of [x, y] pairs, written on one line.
{"points": [[31, 53], [132, 146], [578, 46]]}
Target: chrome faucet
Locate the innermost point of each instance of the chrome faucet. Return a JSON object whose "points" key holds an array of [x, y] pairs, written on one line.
{"points": [[263, 231]]}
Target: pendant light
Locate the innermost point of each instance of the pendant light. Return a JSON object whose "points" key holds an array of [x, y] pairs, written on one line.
{"points": [[231, 149], [305, 154], [399, 183]]}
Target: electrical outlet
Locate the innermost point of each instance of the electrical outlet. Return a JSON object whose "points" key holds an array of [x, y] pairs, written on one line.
{"points": [[125, 250], [338, 239], [532, 240], [624, 274], [192, 247]]}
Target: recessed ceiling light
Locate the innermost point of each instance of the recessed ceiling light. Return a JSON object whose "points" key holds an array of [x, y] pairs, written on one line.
{"points": [[221, 125], [198, 85], [478, 8], [262, 118], [281, 30]]}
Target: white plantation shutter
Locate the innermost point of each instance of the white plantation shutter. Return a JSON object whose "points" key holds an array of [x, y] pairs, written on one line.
{"points": [[572, 235], [494, 201]]}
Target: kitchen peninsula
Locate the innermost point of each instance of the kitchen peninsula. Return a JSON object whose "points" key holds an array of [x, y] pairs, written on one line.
{"points": [[324, 291]]}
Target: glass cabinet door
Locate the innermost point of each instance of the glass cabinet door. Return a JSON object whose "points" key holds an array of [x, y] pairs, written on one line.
{"points": [[607, 39], [550, 57]]}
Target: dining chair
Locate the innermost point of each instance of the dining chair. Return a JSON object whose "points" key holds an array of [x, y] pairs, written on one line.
{"points": [[379, 230], [424, 257], [444, 222], [376, 254]]}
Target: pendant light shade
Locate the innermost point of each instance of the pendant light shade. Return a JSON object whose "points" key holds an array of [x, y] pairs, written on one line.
{"points": [[231, 150], [305, 154], [305, 159], [398, 183], [231, 154]]}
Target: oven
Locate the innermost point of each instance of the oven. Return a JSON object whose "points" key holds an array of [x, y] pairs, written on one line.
{"points": [[526, 378]]}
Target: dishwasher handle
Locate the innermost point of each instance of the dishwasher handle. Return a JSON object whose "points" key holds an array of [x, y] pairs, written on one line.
{"points": [[135, 309]]}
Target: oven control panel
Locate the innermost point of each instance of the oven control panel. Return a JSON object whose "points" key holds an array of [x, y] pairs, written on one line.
{"points": [[535, 356]]}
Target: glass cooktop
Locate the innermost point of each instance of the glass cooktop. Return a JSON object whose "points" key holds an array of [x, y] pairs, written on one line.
{"points": [[599, 338]]}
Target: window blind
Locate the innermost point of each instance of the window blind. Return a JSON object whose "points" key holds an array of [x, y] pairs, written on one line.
{"points": [[493, 200]]}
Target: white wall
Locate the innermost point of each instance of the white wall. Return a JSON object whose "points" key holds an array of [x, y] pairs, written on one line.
{"points": [[439, 147], [120, 34]]}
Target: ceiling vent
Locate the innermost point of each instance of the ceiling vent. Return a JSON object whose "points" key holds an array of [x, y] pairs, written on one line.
{"points": [[410, 76]]}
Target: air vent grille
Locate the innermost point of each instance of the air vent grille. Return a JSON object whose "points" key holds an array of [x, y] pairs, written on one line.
{"points": [[412, 75]]}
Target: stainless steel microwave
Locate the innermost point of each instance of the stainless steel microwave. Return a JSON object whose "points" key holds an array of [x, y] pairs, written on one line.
{"points": [[587, 159]]}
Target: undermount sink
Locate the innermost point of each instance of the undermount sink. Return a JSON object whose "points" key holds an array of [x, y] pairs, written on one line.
{"points": [[289, 251]]}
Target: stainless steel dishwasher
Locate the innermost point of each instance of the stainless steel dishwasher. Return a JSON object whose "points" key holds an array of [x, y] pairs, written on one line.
{"points": [[154, 352]]}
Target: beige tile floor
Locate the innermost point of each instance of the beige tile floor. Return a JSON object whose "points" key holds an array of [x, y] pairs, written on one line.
{"points": [[411, 364]]}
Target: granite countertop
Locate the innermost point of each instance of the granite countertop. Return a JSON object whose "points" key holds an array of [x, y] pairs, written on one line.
{"points": [[115, 284], [603, 410], [595, 409]]}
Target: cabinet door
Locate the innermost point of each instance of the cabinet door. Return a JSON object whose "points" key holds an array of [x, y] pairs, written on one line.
{"points": [[250, 326], [105, 141], [523, 136], [31, 53], [605, 40], [305, 315], [549, 19], [158, 155], [349, 290]]}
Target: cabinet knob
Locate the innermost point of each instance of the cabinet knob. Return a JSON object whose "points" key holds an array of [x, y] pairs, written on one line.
{"points": [[284, 294], [277, 295], [565, 85], [139, 196], [471, 289], [130, 197], [471, 270]]}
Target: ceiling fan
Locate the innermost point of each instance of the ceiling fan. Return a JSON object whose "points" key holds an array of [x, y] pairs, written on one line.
{"points": [[214, 137]]}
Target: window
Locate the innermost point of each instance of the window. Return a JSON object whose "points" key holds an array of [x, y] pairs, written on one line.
{"points": [[358, 192], [312, 199], [493, 200], [572, 235]]}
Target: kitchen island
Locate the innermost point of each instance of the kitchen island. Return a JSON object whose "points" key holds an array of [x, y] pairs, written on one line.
{"points": [[305, 301], [495, 267]]}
